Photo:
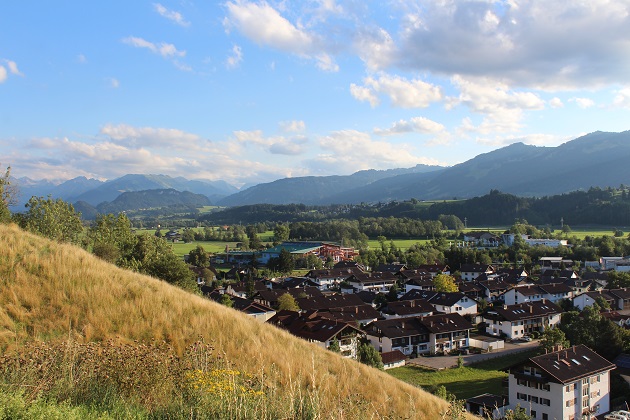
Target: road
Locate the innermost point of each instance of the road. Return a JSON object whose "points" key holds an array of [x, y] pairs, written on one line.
{"points": [[443, 362]]}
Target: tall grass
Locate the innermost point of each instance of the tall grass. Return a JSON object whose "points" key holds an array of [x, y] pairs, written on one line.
{"points": [[55, 293]]}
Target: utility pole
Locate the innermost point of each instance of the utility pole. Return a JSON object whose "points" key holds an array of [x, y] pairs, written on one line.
{"points": [[465, 223]]}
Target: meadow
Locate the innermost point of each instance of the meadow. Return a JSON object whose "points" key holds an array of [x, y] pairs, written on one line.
{"points": [[463, 382], [62, 309]]}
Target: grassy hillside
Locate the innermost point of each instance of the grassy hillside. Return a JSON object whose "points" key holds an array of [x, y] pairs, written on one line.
{"points": [[54, 293]]}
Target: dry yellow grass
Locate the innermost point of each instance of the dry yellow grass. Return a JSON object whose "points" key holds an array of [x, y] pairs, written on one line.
{"points": [[50, 291]]}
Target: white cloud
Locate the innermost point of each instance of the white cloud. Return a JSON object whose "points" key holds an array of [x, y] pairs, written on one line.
{"points": [[278, 145], [349, 151], [556, 103], [583, 103], [531, 139], [164, 49], [152, 137], [501, 107], [235, 59], [3, 74], [414, 125], [364, 94], [113, 83], [81, 59], [402, 93], [264, 25], [293, 126], [376, 47], [171, 15], [622, 99], [13, 68], [550, 45]]}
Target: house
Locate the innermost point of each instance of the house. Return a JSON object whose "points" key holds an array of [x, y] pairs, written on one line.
{"points": [[322, 331], [256, 310], [270, 297], [494, 289], [589, 298], [326, 279], [567, 384], [394, 268], [323, 250], [376, 282], [551, 243], [407, 309], [408, 335], [445, 302], [447, 332], [488, 406], [347, 308], [433, 269], [623, 320], [554, 263], [240, 289], [420, 335], [472, 289], [482, 239], [470, 272], [531, 293], [516, 321], [393, 359], [422, 281], [513, 275], [622, 297]]}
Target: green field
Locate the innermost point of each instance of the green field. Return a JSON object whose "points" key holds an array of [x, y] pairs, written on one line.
{"points": [[400, 243], [464, 382]]}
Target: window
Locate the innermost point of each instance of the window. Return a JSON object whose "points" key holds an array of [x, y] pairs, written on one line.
{"points": [[584, 391], [545, 416], [585, 381], [533, 399], [585, 402], [521, 396], [545, 401]]}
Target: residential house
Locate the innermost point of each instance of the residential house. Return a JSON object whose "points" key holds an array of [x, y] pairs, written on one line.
{"points": [[622, 297], [482, 239], [445, 302], [470, 272], [254, 309], [434, 269], [422, 281], [567, 384], [516, 321], [589, 298], [408, 309], [347, 308], [376, 282], [494, 289], [420, 335], [554, 263], [393, 359], [394, 268], [329, 278], [322, 331], [488, 406], [531, 293], [270, 297]]}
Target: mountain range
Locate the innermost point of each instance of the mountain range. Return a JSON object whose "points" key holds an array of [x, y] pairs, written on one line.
{"points": [[599, 159]]}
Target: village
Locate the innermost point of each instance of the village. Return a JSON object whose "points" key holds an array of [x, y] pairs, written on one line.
{"points": [[439, 316]]}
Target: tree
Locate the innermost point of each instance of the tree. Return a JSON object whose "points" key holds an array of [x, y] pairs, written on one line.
{"points": [[552, 338], [334, 346], [445, 283], [188, 236], [370, 356], [286, 262], [281, 233], [8, 195], [286, 302], [53, 218], [519, 413], [226, 300], [198, 257], [111, 237]]}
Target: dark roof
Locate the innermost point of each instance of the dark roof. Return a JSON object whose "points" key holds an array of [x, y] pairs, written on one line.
{"points": [[333, 273], [391, 268], [310, 325], [392, 357], [623, 363], [494, 285], [372, 277], [620, 293], [273, 295], [241, 304], [447, 298], [409, 307], [475, 268], [293, 282], [366, 296], [328, 302], [568, 365], [418, 294], [490, 401], [522, 311], [397, 327], [352, 314], [444, 323], [433, 268]]}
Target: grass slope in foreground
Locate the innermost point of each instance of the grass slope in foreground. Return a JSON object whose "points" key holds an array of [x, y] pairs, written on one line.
{"points": [[63, 308]]}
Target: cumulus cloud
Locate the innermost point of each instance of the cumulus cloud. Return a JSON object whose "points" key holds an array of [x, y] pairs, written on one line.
{"points": [[264, 25], [501, 107], [622, 99], [350, 150], [549, 45], [235, 59], [583, 103], [294, 126], [278, 145], [152, 137], [164, 49], [556, 103], [3, 74], [12, 69], [414, 125], [402, 93], [171, 15]]}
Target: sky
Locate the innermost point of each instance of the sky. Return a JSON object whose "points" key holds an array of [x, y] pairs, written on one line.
{"points": [[253, 91]]}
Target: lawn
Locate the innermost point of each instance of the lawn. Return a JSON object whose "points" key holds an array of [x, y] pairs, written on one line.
{"points": [[464, 382], [400, 243]]}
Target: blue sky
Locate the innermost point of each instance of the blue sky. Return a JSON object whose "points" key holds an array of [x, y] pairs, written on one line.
{"points": [[252, 91]]}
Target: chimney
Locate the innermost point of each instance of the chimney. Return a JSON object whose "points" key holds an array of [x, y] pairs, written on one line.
{"points": [[531, 309], [356, 309]]}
